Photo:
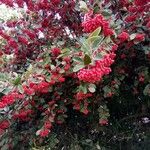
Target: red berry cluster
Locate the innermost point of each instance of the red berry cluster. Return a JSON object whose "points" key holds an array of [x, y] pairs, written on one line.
{"points": [[10, 99], [96, 72], [82, 99], [80, 96], [90, 24]]}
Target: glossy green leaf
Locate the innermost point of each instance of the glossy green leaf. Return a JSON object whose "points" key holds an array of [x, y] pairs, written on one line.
{"points": [[78, 67], [77, 59], [95, 32], [93, 39], [95, 45], [87, 59], [85, 46]]}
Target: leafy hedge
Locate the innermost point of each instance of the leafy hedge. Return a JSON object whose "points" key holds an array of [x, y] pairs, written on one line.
{"points": [[75, 75]]}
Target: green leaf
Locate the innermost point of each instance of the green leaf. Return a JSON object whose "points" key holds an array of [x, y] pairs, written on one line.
{"points": [[87, 59], [30, 68], [64, 50], [95, 45], [83, 88], [6, 91], [83, 6], [60, 43], [108, 39], [63, 55], [95, 32], [17, 81], [103, 112], [4, 147], [92, 88], [20, 88], [77, 59], [78, 67], [146, 90], [85, 46], [93, 39], [98, 56], [62, 71], [53, 141], [106, 13], [96, 9], [2, 142], [132, 36], [106, 89], [4, 77], [38, 132]]}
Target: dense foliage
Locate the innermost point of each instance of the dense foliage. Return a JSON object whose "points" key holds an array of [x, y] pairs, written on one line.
{"points": [[75, 74]]}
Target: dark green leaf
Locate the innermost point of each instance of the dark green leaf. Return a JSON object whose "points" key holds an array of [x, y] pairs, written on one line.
{"points": [[146, 90], [83, 88], [87, 59], [17, 81]]}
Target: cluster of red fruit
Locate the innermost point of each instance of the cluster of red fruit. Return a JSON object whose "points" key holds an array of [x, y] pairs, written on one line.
{"points": [[96, 72], [90, 24]]}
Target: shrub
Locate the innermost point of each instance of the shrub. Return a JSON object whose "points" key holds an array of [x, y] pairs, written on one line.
{"points": [[66, 57]]}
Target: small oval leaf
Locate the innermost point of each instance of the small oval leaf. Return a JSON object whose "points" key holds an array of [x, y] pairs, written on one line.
{"points": [[83, 6], [87, 59], [92, 88], [78, 67]]}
